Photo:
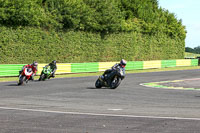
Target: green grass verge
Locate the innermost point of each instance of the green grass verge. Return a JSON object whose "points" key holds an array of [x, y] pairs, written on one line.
{"points": [[5, 79]]}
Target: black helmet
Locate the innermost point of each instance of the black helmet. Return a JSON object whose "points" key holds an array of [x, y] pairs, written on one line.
{"points": [[53, 62], [35, 64], [123, 63]]}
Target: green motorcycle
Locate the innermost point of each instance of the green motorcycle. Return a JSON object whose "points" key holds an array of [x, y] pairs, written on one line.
{"points": [[45, 74]]}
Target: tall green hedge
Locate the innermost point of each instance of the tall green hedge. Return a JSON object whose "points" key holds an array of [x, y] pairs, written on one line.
{"points": [[23, 45]]}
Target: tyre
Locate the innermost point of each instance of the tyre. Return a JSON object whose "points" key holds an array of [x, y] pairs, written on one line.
{"points": [[115, 82], [42, 77], [21, 80], [98, 84]]}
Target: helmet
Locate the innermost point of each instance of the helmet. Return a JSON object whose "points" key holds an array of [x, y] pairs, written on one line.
{"points": [[35, 64], [123, 63], [53, 62]]}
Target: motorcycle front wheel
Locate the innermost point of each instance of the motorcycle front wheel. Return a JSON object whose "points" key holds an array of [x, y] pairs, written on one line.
{"points": [[21, 80], [42, 77], [98, 84], [115, 82]]}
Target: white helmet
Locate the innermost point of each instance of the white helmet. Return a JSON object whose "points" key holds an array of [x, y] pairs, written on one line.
{"points": [[123, 63]]}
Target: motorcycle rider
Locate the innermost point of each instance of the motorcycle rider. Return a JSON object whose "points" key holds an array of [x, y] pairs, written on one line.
{"points": [[53, 67], [122, 65], [33, 66]]}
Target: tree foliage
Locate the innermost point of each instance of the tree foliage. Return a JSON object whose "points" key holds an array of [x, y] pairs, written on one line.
{"points": [[102, 16], [195, 50]]}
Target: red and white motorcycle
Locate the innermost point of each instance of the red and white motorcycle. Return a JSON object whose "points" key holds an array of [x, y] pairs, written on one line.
{"points": [[25, 75]]}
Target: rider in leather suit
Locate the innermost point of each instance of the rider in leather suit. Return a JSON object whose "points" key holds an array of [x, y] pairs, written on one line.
{"points": [[53, 67], [122, 65]]}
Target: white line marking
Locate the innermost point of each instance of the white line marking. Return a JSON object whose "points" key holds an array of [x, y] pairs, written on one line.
{"points": [[115, 109], [97, 114]]}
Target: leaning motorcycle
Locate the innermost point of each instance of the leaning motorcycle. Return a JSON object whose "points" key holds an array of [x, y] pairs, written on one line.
{"points": [[111, 80], [25, 75], [45, 74]]}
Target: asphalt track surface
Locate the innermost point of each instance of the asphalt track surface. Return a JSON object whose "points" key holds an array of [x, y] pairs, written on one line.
{"points": [[73, 105]]}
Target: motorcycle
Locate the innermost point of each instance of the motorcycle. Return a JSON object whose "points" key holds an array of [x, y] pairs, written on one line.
{"points": [[111, 80], [25, 75], [45, 74]]}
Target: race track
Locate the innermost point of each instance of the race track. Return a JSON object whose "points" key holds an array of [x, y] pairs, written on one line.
{"points": [[73, 105]]}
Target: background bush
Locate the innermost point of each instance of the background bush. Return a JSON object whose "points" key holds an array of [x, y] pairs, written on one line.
{"points": [[88, 31]]}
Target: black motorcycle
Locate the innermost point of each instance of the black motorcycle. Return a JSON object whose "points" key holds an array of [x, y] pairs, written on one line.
{"points": [[111, 80]]}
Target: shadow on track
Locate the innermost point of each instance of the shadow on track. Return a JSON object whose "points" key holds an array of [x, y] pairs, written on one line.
{"points": [[12, 85], [16, 84], [94, 88]]}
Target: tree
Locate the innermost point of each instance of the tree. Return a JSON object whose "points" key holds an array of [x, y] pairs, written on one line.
{"points": [[188, 49], [107, 15], [197, 50], [22, 13]]}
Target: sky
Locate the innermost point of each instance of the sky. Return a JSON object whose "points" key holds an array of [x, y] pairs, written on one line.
{"points": [[189, 12]]}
